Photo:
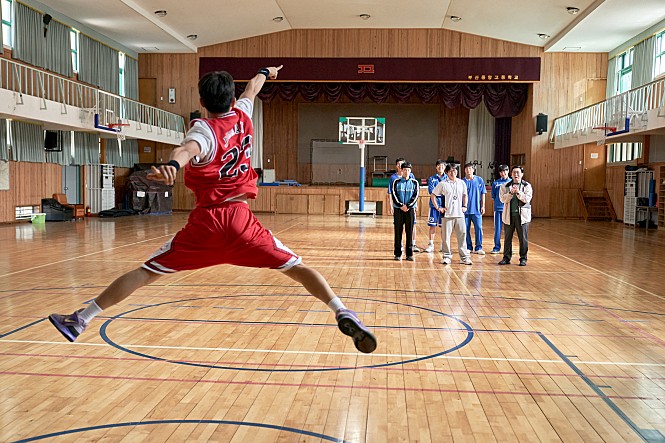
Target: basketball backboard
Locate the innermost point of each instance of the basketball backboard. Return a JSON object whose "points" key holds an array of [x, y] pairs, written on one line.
{"points": [[370, 129]]}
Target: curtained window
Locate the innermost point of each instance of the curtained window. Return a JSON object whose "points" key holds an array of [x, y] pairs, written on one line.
{"points": [[659, 50], [27, 142], [98, 64], [44, 46], [4, 151], [28, 28], [123, 155], [131, 78], [86, 149], [63, 157], [643, 62]]}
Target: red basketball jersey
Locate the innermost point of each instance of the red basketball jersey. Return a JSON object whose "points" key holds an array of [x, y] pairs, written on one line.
{"points": [[226, 171]]}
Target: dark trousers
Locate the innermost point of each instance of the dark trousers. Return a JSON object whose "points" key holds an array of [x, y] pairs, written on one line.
{"points": [[404, 220], [522, 235]]}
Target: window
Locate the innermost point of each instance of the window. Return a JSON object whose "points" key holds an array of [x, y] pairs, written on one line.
{"points": [[7, 23], [624, 71], [121, 61], [660, 54], [74, 37], [623, 152]]}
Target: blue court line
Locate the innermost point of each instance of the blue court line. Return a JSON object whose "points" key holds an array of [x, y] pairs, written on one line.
{"points": [[584, 319], [21, 328], [313, 310], [633, 321], [402, 313], [222, 307], [102, 332], [194, 422], [648, 435], [270, 309], [493, 316], [183, 306]]}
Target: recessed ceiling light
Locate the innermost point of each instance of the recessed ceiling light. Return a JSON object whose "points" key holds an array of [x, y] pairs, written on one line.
{"points": [[572, 10], [192, 36], [455, 18], [544, 36], [160, 13], [572, 48], [365, 16], [278, 19]]}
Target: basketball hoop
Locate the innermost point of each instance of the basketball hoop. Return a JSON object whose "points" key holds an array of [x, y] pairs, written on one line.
{"points": [[118, 129]]}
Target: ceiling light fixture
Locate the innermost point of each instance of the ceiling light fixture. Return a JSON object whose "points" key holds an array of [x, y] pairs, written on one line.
{"points": [[455, 18], [365, 16], [544, 36], [160, 13], [278, 19], [192, 36], [572, 10]]}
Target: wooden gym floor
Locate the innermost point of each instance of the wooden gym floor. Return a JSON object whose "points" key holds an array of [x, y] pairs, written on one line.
{"points": [[570, 348]]}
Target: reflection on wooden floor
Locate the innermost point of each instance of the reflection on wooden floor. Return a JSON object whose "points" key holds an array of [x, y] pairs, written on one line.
{"points": [[570, 348]]}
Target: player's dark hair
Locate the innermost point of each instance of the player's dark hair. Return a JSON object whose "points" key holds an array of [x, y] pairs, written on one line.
{"points": [[503, 168], [217, 91], [406, 165], [450, 166], [466, 165], [399, 159], [518, 167], [439, 162]]}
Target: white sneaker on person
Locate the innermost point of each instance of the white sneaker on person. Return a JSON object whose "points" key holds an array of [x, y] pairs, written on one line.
{"points": [[446, 261], [466, 261], [430, 248], [479, 252]]}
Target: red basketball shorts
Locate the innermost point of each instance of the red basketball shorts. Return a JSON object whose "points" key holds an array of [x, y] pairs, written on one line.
{"points": [[225, 234]]}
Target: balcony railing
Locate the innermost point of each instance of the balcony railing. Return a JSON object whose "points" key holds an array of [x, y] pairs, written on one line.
{"points": [[111, 108], [624, 112]]}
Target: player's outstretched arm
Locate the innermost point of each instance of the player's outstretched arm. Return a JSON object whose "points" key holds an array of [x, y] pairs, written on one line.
{"points": [[180, 156], [255, 84]]}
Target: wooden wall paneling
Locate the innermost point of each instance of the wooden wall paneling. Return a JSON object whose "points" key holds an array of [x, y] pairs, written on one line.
{"points": [[280, 138], [28, 184], [453, 134], [151, 155], [332, 205], [289, 203], [316, 203], [120, 182], [614, 182], [148, 91]]}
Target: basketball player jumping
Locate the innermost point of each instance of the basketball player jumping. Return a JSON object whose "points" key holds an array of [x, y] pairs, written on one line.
{"points": [[221, 229]]}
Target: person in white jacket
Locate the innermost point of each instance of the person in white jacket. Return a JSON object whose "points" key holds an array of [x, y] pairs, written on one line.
{"points": [[516, 197]]}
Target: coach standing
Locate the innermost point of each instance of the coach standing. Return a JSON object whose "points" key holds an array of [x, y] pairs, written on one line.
{"points": [[516, 197]]}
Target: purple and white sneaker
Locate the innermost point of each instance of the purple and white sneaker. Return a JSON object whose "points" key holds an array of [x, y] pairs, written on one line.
{"points": [[349, 323], [70, 326]]}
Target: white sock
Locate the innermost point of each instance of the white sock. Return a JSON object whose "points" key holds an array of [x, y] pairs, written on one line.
{"points": [[90, 312], [336, 304], [431, 242]]}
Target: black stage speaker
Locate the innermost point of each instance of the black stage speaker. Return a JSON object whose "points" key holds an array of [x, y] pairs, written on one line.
{"points": [[541, 123], [52, 141]]}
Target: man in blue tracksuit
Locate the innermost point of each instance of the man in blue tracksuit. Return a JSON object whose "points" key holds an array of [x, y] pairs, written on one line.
{"points": [[404, 194], [498, 206]]}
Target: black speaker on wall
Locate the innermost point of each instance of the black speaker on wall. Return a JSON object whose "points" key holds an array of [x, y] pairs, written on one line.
{"points": [[541, 123], [52, 141]]}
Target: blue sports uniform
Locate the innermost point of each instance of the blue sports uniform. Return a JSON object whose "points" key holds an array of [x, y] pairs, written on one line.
{"points": [[434, 218]]}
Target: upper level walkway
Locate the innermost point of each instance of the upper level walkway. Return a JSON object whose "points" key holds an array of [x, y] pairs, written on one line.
{"points": [[31, 94], [625, 117]]}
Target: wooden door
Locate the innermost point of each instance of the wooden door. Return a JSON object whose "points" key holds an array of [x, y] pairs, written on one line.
{"points": [[594, 167]]}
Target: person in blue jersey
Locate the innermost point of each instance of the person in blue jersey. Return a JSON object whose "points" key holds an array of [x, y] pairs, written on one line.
{"points": [[434, 218], [498, 206], [404, 197], [452, 214], [395, 176], [474, 214]]}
